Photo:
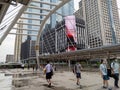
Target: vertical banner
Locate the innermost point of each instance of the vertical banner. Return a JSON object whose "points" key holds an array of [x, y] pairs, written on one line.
{"points": [[70, 29]]}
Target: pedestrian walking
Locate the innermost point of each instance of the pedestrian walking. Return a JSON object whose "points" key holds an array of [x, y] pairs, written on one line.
{"points": [[54, 67], [23, 66], [77, 72], [33, 67], [36, 68], [115, 72], [103, 71], [49, 72]]}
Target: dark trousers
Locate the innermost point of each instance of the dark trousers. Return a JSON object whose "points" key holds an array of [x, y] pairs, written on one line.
{"points": [[116, 77]]}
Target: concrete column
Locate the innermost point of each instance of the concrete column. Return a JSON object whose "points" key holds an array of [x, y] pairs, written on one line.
{"points": [[69, 65]]}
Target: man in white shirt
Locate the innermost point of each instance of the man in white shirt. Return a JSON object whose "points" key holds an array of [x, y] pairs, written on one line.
{"points": [[49, 73], [77, 71], [115, 72]]}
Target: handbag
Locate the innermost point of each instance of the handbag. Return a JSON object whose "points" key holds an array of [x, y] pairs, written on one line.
{"points": [[109, 73], [51, 72]]}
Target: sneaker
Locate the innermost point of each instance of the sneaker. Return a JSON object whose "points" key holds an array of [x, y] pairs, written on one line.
{"points": [[49, 85], [77, 83], [104, 87], [80, 86], [109, 88]]}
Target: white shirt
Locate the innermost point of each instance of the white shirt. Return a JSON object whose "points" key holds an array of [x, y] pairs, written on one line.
{"points": [[77, 68], [48, 68], [115, 67], [103, 69]]}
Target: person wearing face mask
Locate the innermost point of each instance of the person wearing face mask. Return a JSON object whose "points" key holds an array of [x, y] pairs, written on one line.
{"points": [[103, 71], [115, 72]]}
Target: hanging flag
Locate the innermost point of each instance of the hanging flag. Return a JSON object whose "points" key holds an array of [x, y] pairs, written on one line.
{"points": [[70, 29]]}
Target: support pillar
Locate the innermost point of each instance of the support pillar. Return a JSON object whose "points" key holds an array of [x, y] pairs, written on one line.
{"points": [[37, 56], [69, 65]]}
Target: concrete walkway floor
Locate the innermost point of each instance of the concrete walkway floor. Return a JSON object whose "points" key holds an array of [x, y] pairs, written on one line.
{"points": [[63, 80]]}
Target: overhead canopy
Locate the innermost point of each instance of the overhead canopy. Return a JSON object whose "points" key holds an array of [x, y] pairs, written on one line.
{"points": [[111, 51], [3, 9], [4, 5], [25, 2]]}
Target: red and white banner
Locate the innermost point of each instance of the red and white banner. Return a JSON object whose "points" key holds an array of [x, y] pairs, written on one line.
{"points": [[70, 27]]}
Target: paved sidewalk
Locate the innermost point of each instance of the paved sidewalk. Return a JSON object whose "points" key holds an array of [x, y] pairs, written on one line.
{"points": [[61, 81], [65, 80]]}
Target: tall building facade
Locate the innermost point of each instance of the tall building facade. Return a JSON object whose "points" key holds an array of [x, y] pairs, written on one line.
{"points": [[102, 21], [25, 49], [47, 42], [63, 41], [57, 41]]}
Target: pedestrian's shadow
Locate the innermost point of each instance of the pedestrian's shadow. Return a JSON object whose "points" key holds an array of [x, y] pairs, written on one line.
{"points": [[55, 88], [46, 85], [81, 87], [110, 88]]}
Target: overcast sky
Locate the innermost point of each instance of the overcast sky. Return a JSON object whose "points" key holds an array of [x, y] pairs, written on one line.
{"points": [[7, 46]]}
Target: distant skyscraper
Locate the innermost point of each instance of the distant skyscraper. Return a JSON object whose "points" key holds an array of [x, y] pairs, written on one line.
{"points": [[102, 21]]}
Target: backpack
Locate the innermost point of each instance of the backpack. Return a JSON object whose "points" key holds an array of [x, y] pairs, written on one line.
{"points": [[51, 71], [109, 71]]}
